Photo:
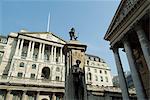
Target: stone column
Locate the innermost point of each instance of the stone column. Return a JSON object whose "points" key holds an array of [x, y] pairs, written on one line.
{"points": [[53, 96], [17, 47], [122, 79], [63, 59], [37, 95], [29, 48], [43, 49], [134, 72], [61, 55], [144, 44], [54, 54], [32, 50], [24, 96], [21, 46], [39, 54], [8, 95]]}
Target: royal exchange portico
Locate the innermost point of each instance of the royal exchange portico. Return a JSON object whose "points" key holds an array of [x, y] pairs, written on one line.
{"points": [[129, 31]]}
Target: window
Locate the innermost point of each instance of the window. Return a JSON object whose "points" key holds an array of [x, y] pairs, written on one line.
{"points": [[105, 72], [87, 62], [90, 76], [106, 79], [32, 76], [96, 78], [89, 57], [1, 56], [100, 71], [57, 78], [34, 66], [20, 75], [21, 64], [57, 69], [101, 78]]}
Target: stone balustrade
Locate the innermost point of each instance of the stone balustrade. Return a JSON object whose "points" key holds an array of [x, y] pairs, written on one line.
{"points": [[28, 81]]}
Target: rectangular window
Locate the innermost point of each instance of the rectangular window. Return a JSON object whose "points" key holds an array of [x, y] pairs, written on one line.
{"points": [[32, 76], [100, 71], [96, 78], [57, 78], [101, 79], [20, 75]]}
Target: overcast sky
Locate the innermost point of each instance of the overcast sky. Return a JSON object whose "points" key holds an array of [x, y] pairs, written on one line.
{"points": [[90, 18]]}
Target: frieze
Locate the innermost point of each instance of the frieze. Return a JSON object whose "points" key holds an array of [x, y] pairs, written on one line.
{"points": [[124, 10]]}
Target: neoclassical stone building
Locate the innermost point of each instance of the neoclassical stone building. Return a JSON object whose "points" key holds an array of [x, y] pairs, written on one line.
{"points": [[32, 67], [129, 31]]}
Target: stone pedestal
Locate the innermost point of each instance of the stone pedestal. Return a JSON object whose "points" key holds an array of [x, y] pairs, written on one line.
{"points": [[75, 86]]}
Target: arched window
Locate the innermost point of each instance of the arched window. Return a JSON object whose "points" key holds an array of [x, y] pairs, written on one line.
{"points": [[21, 64], [57, 69], [45, 73], [34, 66]]}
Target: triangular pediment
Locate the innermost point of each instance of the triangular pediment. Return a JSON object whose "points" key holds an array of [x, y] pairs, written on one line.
{"points": [[45, 36], [120, 14]]}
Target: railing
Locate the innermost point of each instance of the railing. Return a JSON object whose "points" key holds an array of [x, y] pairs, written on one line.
{"points": [[28, 81]]}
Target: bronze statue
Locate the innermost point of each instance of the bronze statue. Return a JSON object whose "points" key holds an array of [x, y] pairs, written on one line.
{"points": [[78, 75], [73, 34]]}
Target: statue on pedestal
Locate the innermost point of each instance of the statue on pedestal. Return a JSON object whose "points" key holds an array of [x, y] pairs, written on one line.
{"points": [[73, 34]]}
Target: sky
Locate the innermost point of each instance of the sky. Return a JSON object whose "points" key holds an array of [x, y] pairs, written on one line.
{"points": [[90, 18]]}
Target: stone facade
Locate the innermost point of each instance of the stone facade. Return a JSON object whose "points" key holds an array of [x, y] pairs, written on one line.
{"points": [[32, 67]]}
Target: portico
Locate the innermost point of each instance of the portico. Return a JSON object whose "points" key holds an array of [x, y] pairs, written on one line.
{"points": [[130, 32], [34, 50]]}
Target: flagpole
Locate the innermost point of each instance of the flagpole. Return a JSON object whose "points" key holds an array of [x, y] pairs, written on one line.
{"points": [[48, 23]]}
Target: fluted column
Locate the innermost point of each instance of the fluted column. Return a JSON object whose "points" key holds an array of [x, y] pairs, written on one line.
{"points": [[144, 44], [122, 79], [17, 47], [52, 53], [39, 54], [8, 95], [43, 49], [61, 55], [53, 96], [21, 46], [24, 96], [29, 48], [37, 95], [32, 49], [134, 72]]}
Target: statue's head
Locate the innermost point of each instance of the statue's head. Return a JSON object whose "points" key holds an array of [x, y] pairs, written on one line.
{"points": [[72, 30]]}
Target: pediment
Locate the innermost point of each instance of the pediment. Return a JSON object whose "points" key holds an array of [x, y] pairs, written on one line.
{"points": [[45, 36], [122, 11]]}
